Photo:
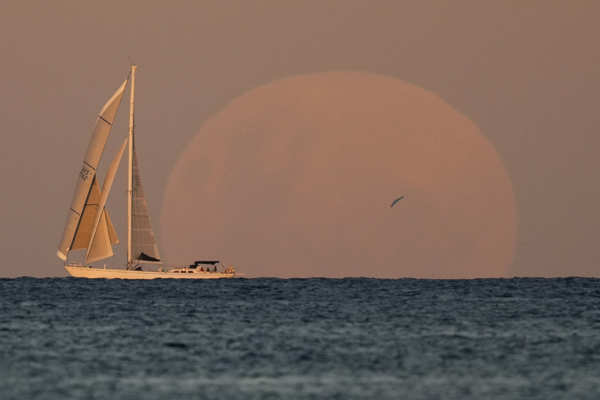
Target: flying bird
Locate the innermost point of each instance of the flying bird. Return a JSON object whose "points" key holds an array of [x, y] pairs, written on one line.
{"points": [[395, 201]]}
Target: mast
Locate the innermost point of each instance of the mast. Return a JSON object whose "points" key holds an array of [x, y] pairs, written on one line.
{"points": [[130, 167]]}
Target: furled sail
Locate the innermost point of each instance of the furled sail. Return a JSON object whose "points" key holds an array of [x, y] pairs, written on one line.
{"points": [[143, 243], [100, 242], [88, 171]]}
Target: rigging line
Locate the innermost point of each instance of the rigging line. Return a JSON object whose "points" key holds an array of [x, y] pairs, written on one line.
{"points": [[79, 222]]}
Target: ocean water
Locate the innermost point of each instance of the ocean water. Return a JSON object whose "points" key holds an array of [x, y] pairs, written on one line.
{"points": [[300, 339]]}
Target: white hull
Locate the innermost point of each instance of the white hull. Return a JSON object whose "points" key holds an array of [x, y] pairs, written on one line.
{"points": [[115, 273]]}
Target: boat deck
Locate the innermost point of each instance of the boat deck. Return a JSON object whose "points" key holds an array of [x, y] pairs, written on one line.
{"points": [[80, 271]]}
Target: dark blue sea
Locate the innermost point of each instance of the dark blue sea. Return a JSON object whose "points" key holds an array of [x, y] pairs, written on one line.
{"points": [[300, 339]]}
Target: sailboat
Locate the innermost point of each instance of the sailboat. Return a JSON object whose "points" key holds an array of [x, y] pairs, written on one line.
{"points": [[89, 226]]}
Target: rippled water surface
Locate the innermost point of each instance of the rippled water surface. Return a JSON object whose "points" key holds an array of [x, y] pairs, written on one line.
{"points": [[300, 338]]}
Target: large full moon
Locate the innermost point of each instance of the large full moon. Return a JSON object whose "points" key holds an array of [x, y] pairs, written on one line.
{"points": [[295, 179]]}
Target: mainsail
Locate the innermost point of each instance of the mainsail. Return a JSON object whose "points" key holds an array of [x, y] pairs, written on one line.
{"points": [[88, 171], [100, 242], [143, 243]]}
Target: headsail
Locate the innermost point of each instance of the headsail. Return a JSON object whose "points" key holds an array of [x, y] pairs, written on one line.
{"points": [[88, 218], [100, 242], [100, 246], [143, 243], [88, 171]]}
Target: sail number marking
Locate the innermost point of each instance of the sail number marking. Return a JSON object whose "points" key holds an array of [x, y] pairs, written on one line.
{"points": [[84, 173]]}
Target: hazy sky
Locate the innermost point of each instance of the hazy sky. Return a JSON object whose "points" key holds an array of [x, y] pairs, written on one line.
{"points": [[525, 72]]}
